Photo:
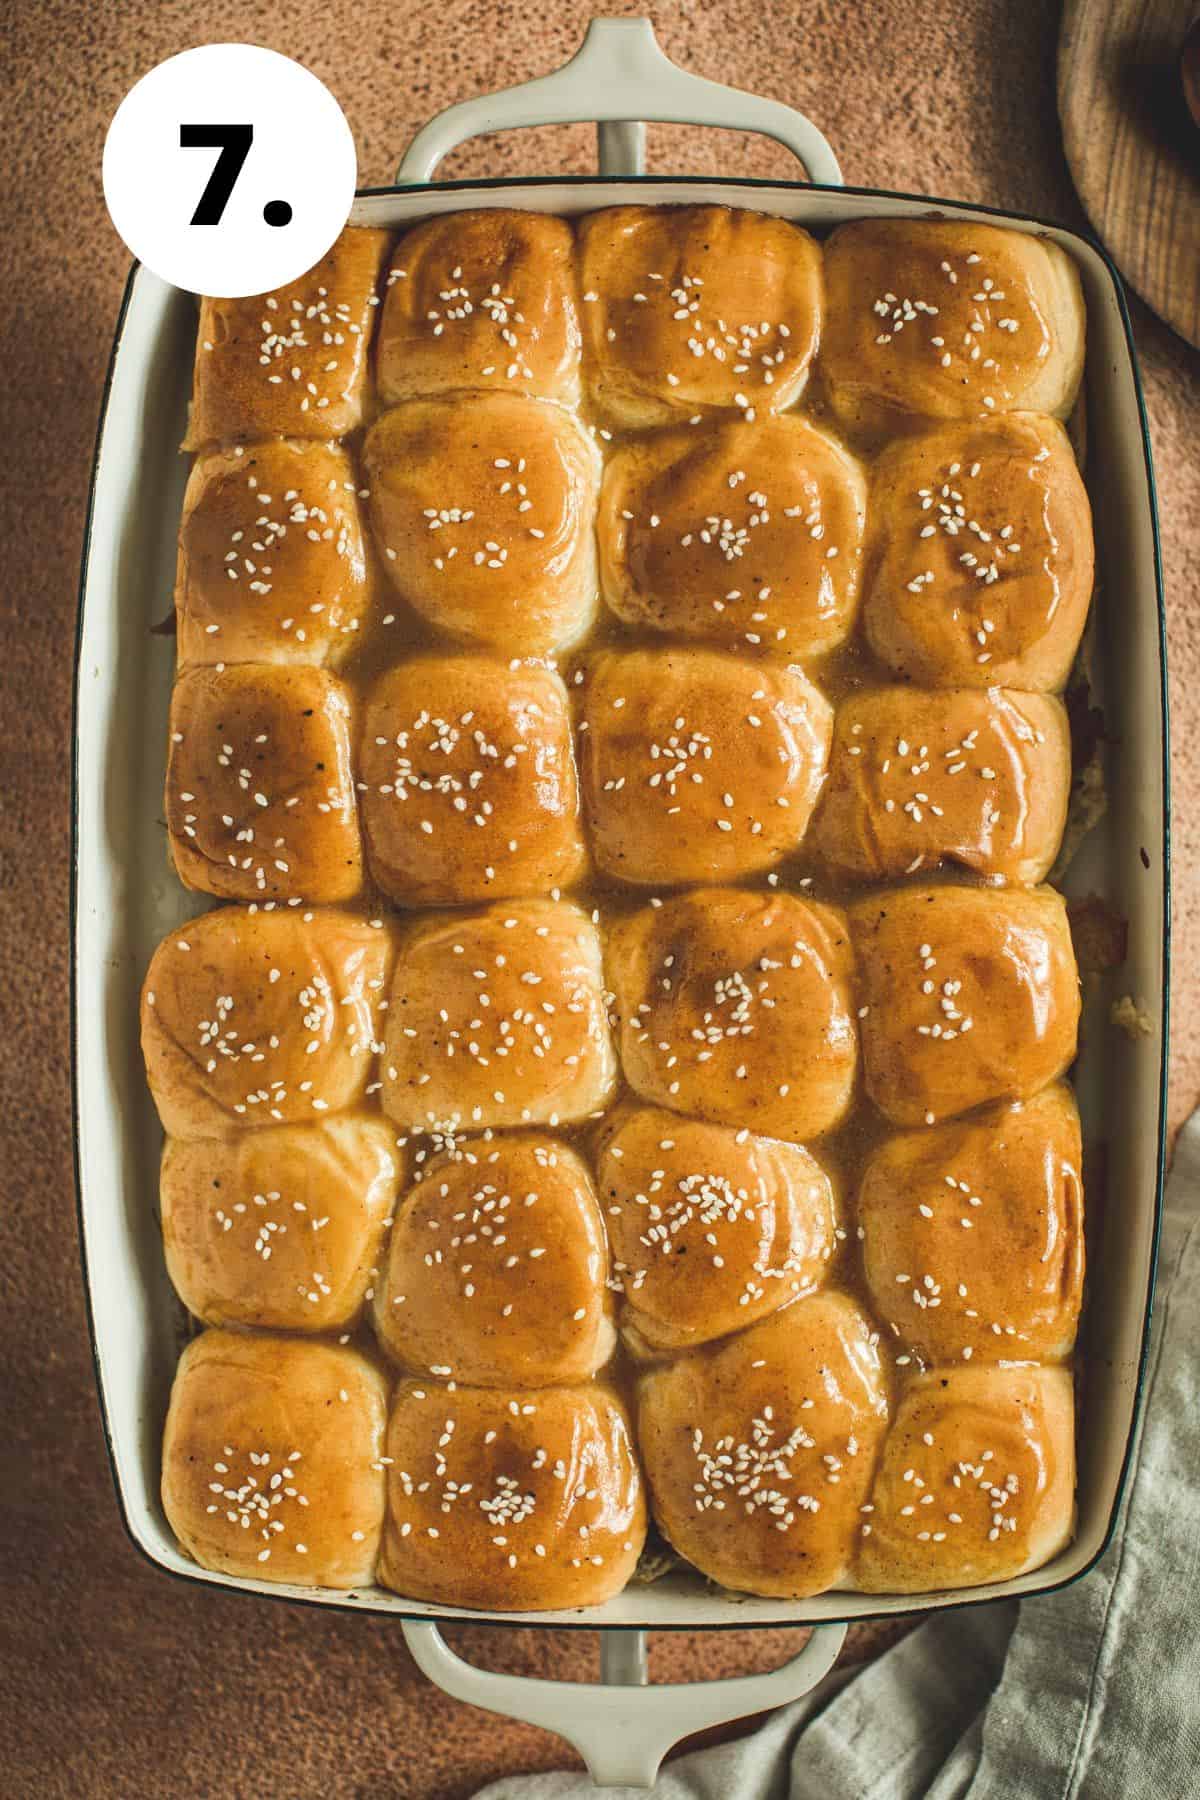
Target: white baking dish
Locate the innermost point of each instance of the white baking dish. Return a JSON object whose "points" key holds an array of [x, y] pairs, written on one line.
{"points": [[125, 899]]}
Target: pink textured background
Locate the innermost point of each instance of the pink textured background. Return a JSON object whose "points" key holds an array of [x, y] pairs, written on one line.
{"points": [[115, 1680]]}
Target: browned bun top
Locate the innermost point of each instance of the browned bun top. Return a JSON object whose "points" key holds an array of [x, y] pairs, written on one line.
{"points": [[759, 1451], [970, 994], [482, 508], [272, 1460], [292, 363], [497, 1268], [976, 1483], [968, 776], [945, 320], [690, 308], [748, 535], [512, 1501], [980, 556], [737, 1005], [698, 766], [467, 782], [498, 1018], [260, 789], [972, 1233], [272, 566], [710, 1228], [280, 1228], [483, 299], [261, 1015]]}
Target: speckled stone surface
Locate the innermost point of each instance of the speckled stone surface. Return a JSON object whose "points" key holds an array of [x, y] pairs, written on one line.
{"points": [[114, 1679]]}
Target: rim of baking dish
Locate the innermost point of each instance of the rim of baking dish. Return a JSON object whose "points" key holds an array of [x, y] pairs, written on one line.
{"points": [[586, 1620]]}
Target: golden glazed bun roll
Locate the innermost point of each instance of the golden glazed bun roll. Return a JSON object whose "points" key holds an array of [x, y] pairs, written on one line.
{"points": [[980, 556], [481, 300], [941, 320], [759, 1451], [498, 1018], [468, 784], [737, 1007], [744, 535], [969, 995], [497, 1269], [698, 766], [271, 566], [973, 1233], [252, 1016], [692, 309], [272, 1459], [516, 1502], [292, 363], [482, 507], [279, 1228], [260, 789], [710, 1228], [976, 1483], [964, 775]]}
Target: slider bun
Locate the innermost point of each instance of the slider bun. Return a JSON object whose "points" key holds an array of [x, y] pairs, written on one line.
{"points": [[254, 1017], [271, 1459], [292, 363], [941, 320], [758, 1451], [481, 300], [980, 556], [498, 1018], [736, 1005], [698, 766], [260, 788], [511, 1502], [279, 1228], [468, 782], [693, 309], [979, 777], [271, 565], [744, 534], [482, 507], [973, 1233], [971, 995], [496, 1273], [976, 1483], [710, 1228]]}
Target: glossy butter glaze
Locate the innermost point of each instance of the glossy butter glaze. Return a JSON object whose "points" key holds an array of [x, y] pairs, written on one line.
{"points": [[727, 546]]}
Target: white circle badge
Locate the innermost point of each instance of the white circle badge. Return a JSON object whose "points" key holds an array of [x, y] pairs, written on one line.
{"points": [[229, 170]]}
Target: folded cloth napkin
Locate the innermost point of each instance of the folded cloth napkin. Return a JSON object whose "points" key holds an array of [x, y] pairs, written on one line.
{"points": [[1091, 1692]]}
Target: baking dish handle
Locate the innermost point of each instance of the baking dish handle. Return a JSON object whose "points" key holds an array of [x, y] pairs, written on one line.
{"points": [[619, 76], [621, 1726]]}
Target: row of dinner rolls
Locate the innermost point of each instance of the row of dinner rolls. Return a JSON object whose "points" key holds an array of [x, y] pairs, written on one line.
{"points": [[464, 778], [285, 1460], [492, 520], [782, 1461], [729, 1005], [509, 1259], [658, 313]]}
